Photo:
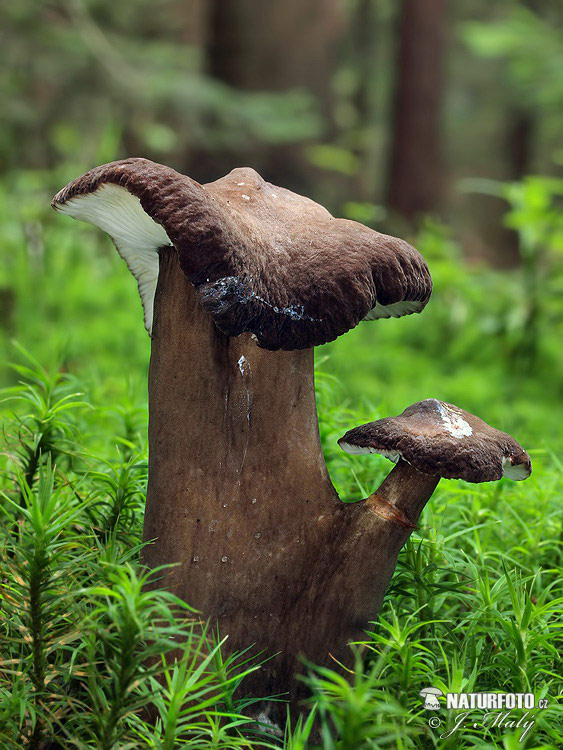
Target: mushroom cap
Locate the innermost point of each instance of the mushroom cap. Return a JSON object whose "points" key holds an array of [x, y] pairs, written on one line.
{"points": [[443, 440], [263, 260], [431, 691]]}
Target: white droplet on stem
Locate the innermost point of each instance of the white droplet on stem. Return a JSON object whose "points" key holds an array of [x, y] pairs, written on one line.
{"points": [[242, 363]]}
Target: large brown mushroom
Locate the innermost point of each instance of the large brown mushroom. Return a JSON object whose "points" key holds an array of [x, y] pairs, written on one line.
{"points": [[239, 280]]}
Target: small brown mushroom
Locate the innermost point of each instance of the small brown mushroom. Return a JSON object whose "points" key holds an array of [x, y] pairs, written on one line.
{"points": [[428, 441]]}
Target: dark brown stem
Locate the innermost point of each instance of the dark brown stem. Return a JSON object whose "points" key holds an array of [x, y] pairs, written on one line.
{"points": [[402, 495], [240, 496]]}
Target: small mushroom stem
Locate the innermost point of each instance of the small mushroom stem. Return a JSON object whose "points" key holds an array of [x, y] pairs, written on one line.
{"points": [[372, 533], [402, 495]]}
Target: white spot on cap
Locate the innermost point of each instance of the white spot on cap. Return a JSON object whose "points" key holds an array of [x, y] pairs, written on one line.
{"points": [[453, 422], [241, 183], [246, 197]]}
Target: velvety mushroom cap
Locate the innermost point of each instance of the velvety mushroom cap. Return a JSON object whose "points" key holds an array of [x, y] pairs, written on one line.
{"points": [[442, 440], [263, 259]]}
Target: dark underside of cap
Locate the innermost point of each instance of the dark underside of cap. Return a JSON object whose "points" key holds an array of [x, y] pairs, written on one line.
{"points": [[443, 440], [267, 261]]}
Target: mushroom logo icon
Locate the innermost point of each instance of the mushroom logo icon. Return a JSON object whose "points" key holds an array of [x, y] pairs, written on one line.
{"points": [[430, 695]]}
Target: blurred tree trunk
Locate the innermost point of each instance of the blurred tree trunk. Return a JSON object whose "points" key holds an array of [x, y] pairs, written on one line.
{"points": [[226, 42], [364, 28], [255, 45], [364, 42], [520, 139], [415, 176], [521, 126], [519, 146]]}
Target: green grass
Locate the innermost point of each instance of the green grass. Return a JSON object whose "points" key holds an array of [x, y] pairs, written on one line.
{"points": [[475, 603]]}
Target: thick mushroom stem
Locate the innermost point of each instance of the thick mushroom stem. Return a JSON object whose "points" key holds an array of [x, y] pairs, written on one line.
{"points": [[239, 496], [234, 452], [402, 495], [238, 492]]}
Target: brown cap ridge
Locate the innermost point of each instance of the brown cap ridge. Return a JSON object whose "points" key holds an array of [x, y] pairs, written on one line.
{"points": [[264, 260], [443, 440]]}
